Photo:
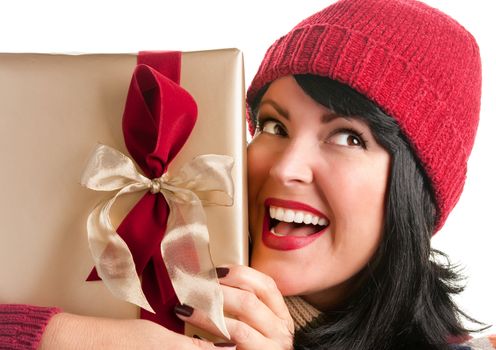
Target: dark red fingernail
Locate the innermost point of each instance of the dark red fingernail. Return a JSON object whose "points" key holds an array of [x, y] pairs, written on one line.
{"points": [[224, 345], [222, 271], [183, 310]]}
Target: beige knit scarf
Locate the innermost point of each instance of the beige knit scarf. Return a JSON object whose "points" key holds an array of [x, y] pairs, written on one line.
{"points": [[301, 311]]}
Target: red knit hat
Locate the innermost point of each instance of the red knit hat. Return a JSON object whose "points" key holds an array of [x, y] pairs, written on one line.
{"points": [[417, 64]]}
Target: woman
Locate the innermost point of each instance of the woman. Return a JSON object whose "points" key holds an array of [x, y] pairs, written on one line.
{"points": [[384, 167], [363, 118]]}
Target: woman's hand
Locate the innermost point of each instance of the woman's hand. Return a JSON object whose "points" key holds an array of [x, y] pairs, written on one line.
{"points": [[259, 318], [67, 331]]}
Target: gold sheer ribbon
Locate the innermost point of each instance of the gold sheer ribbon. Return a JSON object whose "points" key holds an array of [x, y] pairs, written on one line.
{"points": [[206, 180]]}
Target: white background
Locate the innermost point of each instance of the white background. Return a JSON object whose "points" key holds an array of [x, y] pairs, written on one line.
{"points": [[64, 26]]}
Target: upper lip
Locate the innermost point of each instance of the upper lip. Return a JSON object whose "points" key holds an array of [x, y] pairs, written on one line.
{"points": [[295, 205]]}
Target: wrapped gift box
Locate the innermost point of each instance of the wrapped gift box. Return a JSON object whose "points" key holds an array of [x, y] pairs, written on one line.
{"points": [[54, 109]]}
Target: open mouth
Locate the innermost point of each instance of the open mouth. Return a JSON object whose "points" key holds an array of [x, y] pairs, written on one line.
{"points": [[291, 225], [290, 222]]}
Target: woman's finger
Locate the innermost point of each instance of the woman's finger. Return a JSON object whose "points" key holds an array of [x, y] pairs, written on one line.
{"points": [[242, 335], [263, 286], [246, 307], [197, 318], [247, 338], [196, 343], [199, 343]]}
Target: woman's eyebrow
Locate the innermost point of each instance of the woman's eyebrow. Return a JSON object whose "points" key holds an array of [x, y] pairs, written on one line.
{"points": [[278, 108], [326, 118]]}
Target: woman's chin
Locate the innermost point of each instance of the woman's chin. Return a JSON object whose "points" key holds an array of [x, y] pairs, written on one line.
{"points": [[287, 288]]}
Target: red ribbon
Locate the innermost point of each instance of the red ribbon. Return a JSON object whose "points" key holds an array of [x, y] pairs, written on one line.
{"points": [[158, 118]]}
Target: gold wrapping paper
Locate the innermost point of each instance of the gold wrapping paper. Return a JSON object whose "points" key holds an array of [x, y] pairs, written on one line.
{"points": [[54, 109]]}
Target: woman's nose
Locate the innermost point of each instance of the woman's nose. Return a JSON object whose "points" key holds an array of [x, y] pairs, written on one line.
{"points": [[293, 165]]}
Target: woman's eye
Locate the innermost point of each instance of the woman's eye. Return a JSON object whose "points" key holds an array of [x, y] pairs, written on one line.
{"points": [[272, 127], [347, 138]]}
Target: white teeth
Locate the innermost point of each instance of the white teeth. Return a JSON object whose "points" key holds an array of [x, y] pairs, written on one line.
{"points": [[275, 233], [299, 217], [307, 219], [290, 215]]}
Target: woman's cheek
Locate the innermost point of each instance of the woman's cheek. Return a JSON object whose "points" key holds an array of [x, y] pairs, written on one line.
{"points": [[259, 162]]}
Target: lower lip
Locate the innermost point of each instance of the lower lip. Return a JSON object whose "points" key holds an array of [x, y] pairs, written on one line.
{"points": [[286, 242]]}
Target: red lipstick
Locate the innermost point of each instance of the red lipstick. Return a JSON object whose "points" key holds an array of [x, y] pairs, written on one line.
{"points": [[288, 242]]}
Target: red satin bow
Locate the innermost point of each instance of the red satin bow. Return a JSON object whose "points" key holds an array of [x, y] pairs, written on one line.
{"points": [[158, 118]]}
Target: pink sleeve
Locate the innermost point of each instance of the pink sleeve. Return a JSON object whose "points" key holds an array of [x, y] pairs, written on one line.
{"points": [[21, 326]]}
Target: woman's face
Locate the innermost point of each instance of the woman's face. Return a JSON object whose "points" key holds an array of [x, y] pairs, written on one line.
{"points": [[317, 185]]}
